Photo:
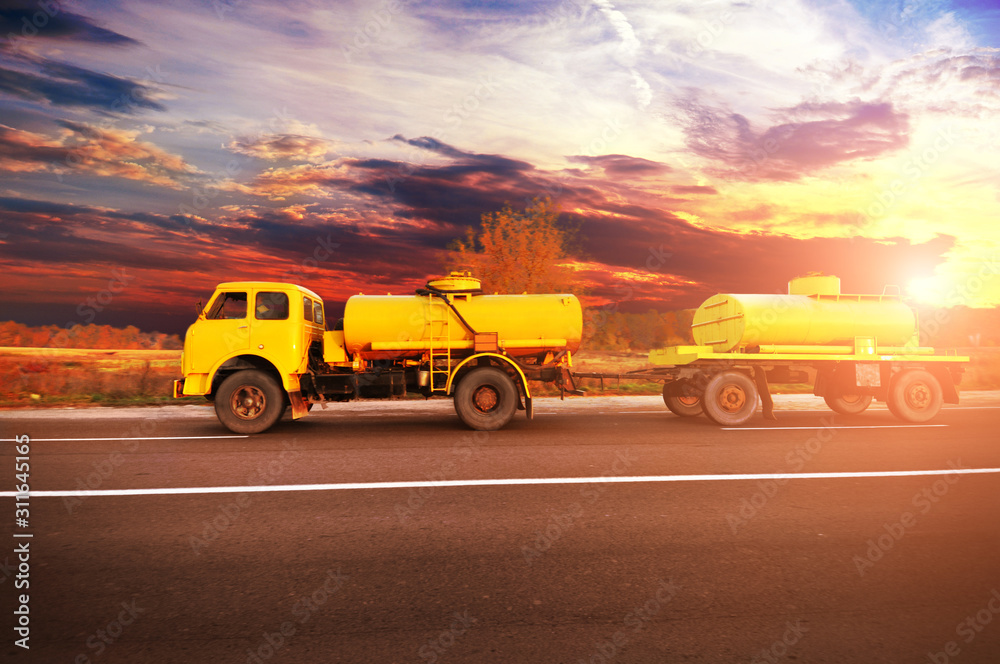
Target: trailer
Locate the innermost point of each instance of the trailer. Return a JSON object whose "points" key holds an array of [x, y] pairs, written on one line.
{"points": [[259, 348], [858, 348]]}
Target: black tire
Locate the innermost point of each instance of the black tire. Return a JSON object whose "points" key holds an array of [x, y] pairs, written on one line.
{"points": [[486, 399], [730, 398], [915, 396], [848, 404], [682, 406], [249, 401]]}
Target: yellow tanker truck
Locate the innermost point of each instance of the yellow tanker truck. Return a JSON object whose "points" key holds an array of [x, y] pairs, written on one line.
{"points": [[258, 348], [859, 347]]}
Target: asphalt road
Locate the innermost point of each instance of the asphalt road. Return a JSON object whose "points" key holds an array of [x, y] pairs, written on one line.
{"points": [[700, 561]]}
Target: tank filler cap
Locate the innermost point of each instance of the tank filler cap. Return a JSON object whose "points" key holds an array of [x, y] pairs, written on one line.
{"points": [[456, 282]]}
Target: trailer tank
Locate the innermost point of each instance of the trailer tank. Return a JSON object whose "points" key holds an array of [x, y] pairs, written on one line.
{"points": [[813, 313]]}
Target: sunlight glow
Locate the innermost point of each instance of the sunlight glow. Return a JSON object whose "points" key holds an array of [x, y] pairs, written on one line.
{"points": [[928, 290]]}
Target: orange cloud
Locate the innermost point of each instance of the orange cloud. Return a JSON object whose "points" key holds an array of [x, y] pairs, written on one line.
{"points": [[89, 150], [275, 147], [279, 184], [119, 153], [28, 152]]}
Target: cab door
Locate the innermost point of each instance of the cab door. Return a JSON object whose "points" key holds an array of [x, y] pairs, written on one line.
{"points": [[221, 331], [274, 330]]}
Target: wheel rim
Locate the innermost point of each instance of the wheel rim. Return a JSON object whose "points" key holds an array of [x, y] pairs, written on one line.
{"points": [[918, 396], [486, 398], [688, 401], [731, 398], [851, 398], [248, 402]]}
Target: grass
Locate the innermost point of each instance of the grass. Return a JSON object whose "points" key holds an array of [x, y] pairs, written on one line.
{"points": [[40, 377], [983, 370], [70, 376]]}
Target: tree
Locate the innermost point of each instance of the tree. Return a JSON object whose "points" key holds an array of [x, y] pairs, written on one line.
{"points": [[517, 252]]}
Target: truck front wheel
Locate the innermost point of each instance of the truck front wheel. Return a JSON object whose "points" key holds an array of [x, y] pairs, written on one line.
{"points": [[730, 398], [249, 401], [486, 399], [915, 396]]}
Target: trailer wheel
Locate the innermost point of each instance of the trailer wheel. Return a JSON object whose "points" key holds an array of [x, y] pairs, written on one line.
{"points": [[730, 398], [249, 401], [848, 404], [682, 406], [915, 396], [486, 399]]}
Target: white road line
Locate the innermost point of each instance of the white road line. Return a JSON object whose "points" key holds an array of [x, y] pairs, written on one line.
{"points": [[61, 440], [970, 408], [820, 426], [502, 482]]}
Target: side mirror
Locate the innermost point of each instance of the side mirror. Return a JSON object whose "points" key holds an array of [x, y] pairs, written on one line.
{"points": [[199, 310]]}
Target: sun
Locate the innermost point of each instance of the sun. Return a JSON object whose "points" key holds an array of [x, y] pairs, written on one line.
{"points": [[927, 290]]}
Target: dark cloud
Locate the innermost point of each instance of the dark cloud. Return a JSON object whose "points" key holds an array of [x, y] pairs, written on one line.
{"points": [[50, 20], [619, 164], [455, 195], [11, 205], [37, 232], [814, 137], [467, 161], [67, 85], [431, 144]]}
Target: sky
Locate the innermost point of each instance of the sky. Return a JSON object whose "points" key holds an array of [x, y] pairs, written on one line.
{"points": [[149, 151]]}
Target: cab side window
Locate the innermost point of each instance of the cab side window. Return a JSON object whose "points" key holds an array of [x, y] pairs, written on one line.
{"points": [[318, 313], [228, 305], [307, 308], [271, 306]]}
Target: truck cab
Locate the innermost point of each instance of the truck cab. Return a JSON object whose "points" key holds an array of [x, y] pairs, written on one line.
{"points": [[251, 325]]}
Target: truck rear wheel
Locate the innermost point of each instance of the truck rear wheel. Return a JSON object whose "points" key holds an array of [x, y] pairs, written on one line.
{"points": [[848, 404], [682, 406], [915, 396], [730, 398], [249, 401], [486, 399]]}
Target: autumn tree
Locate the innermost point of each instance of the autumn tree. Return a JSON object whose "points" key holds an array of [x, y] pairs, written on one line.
{"points": [[517, 252]]}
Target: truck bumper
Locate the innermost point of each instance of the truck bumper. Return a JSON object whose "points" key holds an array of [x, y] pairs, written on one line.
{"points": [[178, 388]]}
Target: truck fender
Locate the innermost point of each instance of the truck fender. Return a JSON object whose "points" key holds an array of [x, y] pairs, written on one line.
{"points": [[503, 358], [290, 382], [949, 391]]}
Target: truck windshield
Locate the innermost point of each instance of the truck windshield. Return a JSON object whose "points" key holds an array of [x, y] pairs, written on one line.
{"points": [[229, 305]]}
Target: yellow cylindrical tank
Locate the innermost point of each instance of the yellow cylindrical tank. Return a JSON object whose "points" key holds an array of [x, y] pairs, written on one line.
{"points": [[394, 326], [821, 317]]}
